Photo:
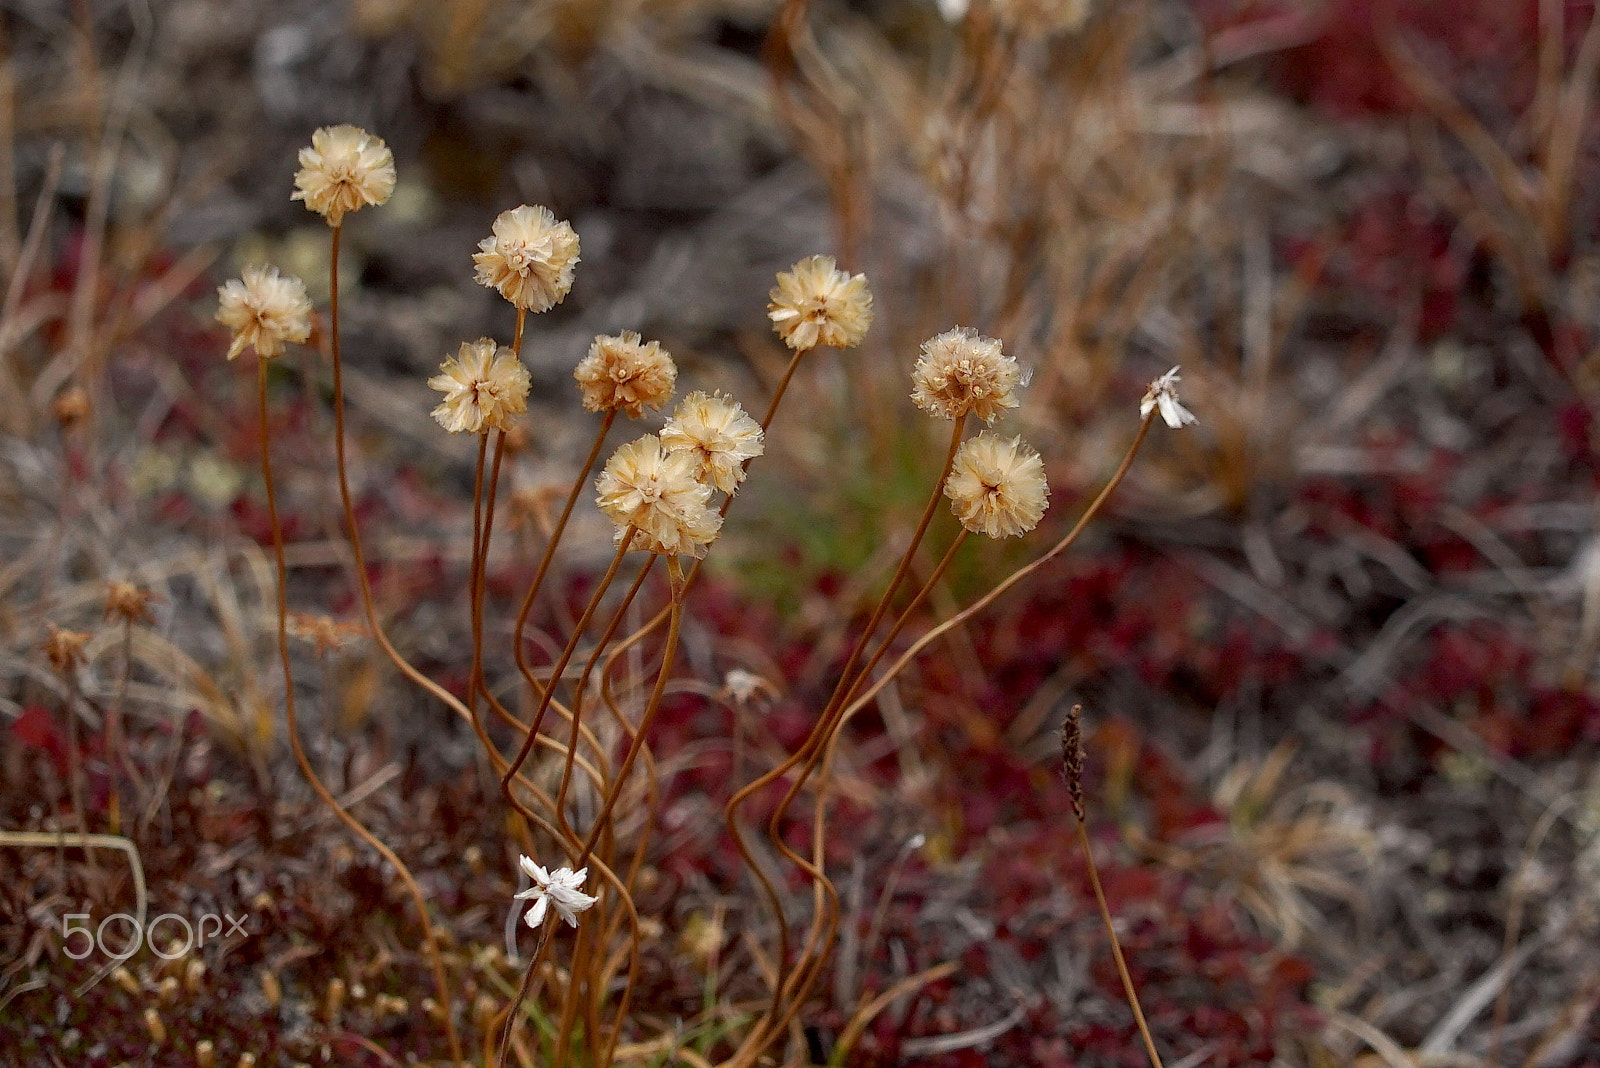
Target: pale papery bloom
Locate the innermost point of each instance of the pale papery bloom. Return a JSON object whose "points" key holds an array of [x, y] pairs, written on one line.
{"points": [[656, 492], [265, 310], [715, 430], [484, 385], [997, 487], [815, 303], [343, 170], [554, 889], [529, 257], [625, 373], [1162, 396], [961, 372]]}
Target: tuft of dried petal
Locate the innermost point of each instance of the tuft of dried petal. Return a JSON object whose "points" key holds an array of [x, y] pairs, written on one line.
{"points": [[128, 603], [528, 258], [625, 373], [1162, 396], [265, 310], [715, 430], [961, 372], [64, 648], [556, 889], [815, 303], [656, 492], [997, 487], [344, 169], [484, 385]]}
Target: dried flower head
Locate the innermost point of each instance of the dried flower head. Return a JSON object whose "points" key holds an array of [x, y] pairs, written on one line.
{"points": [[656, 492], [625, 373], [64, 648], [128, 603], [997, 487], [343, 170], [71, 406], [325, 633], [961, 372], [484, 385], [529, 257], [1162, 396], [716, 431], [554, 889], [264, 310], [815, 303]]}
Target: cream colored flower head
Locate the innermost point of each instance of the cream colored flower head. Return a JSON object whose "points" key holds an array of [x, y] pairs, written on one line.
{"points": [[556, 890], [997, 487], [1162, 396], [960, 372], [625, 373], [719, 435], [528, 258], [484, 385], [815, 303], [265, 310], [656, 492], [344, 170]]}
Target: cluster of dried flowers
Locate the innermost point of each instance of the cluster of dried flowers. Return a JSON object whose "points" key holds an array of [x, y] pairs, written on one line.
{"points": [[657, 489]]}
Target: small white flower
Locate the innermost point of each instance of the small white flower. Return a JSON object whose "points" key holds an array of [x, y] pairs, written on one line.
{"points": [[1163, 396], [558, 888]]}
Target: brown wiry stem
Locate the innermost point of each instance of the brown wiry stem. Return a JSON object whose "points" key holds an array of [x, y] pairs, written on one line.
{"points": [[435, 960], [1116, 946]]}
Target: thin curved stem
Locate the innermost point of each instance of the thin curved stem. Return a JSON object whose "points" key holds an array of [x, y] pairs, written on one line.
{"points": [[1116, 946], [435, 960]]}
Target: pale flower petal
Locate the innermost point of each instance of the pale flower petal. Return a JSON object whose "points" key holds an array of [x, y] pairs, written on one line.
{"points": [[558, 889], [625, 373]]}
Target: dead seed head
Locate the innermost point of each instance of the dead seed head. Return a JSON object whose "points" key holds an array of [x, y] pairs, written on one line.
{"points": [[71, 406], [997, 487], [528, 258], [655, 491], [1163, 397], [265, 311], [1072, 758], [484, 385], [815, 303], [961, 372], [716, 431], [128, 603], [343, 170], [64, 648], [625, 373]]}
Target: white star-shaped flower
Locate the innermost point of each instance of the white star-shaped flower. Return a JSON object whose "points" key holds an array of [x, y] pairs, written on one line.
{"points": [[1163, 396], [557, 888]]}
